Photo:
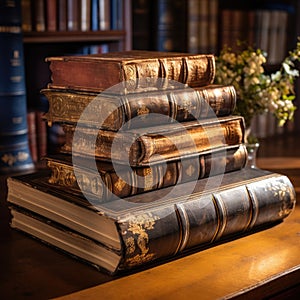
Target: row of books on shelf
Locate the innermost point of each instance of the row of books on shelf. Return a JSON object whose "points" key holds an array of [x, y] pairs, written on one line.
{"points": [[153, 164], [71, 15], [262, 28], [208, 25]]}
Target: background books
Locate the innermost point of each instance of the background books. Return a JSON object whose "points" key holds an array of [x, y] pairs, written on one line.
{"points": [[75, 15]]}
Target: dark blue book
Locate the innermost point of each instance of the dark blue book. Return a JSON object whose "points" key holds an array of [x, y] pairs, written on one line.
{"points": [[14, 146], [94, 15], [116, 18]]}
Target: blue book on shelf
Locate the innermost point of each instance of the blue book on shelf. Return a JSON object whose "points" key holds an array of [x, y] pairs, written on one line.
{"points": [[95, 15], [14, 146]]}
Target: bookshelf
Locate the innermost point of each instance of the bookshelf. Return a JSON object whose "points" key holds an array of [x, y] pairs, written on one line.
{"points": [[210, 24], [64, 27], [85, 36]]}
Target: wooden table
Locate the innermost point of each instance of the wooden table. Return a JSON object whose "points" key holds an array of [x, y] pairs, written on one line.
{"points": [[253, 267]]}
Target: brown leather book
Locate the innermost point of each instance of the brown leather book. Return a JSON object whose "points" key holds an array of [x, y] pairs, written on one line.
{"points": [[110, 111], [147, 228], [131, 181], [144, 146], [98, 72], [51, 15]]}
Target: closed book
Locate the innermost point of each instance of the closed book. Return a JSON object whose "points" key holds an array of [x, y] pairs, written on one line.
{"points": [[73, 16], [39, 15], [139, 230], [144, 146], [51, 15], [122, 181], [12, 72], [89, 72], [15, 154], [14, 147], [62, 15], [26, 15], [104, 14], [111, 111], [141, 20], [85, 15], [169, 34]]}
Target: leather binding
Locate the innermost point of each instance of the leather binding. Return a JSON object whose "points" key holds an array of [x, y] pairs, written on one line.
{"points": [[178, 140], [115, 111], [142, 229], [89, 72]]}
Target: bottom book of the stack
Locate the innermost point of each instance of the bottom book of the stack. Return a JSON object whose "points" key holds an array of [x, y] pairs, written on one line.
{"points": [[127, 233]]}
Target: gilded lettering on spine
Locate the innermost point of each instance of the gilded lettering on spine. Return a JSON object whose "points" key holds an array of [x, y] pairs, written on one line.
{"points": [[137, 239], [10, 159]]}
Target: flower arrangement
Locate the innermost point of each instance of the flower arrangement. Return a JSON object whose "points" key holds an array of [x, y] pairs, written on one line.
{"points": [[257, 90]]}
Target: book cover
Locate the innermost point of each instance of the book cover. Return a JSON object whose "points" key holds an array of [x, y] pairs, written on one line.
{"points": [[144, 146], [111, 111], [158, 224], [89, 72]]}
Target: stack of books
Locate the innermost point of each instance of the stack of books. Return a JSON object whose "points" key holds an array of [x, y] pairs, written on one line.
{"points": [[153, 165]]}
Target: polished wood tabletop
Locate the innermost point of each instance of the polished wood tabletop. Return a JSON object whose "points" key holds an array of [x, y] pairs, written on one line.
{"points": [[253, 267]]}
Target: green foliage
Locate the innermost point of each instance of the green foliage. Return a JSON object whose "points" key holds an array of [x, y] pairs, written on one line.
{"points": [[257, 90]]}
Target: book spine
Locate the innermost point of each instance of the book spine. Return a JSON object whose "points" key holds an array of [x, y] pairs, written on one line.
{"points": [[51, 15], [39, 15], [41, 133], [32, 136], [194, 71], [62, 15], [141, 24], [204, 219], [14, 145], [127, 183], [94, 15], [85, 15], [180, 105], [104, 14], [72, 15], [169, 35], [152, 148], [26, 15]]}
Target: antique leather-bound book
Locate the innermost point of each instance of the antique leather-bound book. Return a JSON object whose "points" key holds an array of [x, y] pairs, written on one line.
{"points": [[98, 72], [142, 229], [142, 146], [111, 111], [125, 182]]}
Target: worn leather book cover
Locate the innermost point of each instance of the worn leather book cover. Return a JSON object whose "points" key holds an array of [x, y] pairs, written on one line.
{"points": [[111, 111], [98, 72], [124, 182], [132, 232], [144, 146]]}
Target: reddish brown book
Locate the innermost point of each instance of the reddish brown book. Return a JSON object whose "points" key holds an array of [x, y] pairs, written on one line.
{"points": [[41, 130], [51, 15], [98, 72], [32, 136], [140, 146]]}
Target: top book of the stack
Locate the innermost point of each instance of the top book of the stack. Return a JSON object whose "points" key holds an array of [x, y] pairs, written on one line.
{"points": [[99, 72]]}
